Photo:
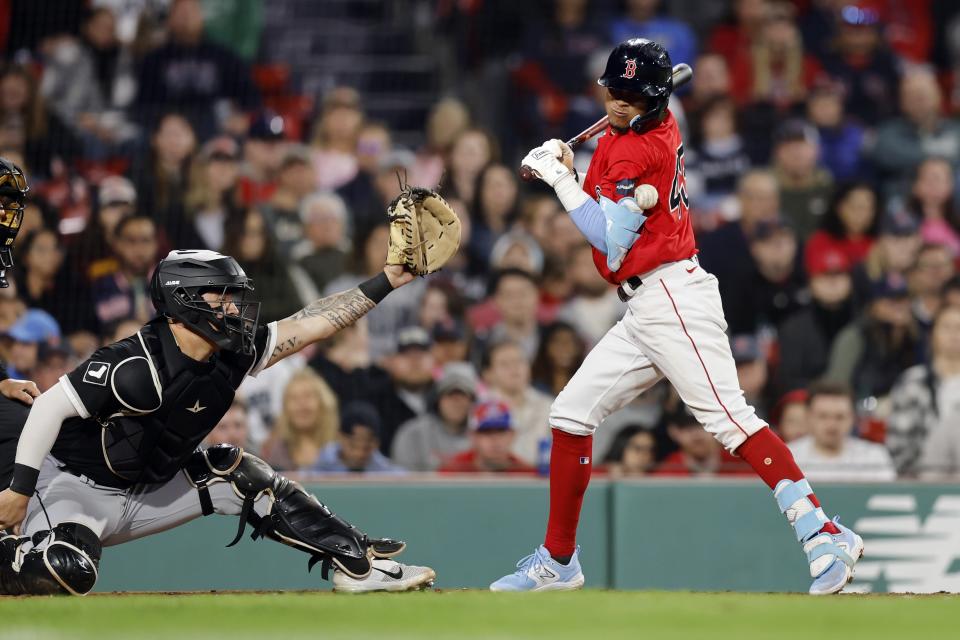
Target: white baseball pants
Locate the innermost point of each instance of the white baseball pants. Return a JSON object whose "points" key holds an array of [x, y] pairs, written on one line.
{"points": [[673, 328]]}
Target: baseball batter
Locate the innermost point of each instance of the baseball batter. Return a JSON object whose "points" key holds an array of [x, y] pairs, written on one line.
{"points": [[632, 206], [109, 454]]}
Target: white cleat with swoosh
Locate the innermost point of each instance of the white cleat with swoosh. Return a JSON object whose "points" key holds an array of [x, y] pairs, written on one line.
{"points": [[386, 575]]}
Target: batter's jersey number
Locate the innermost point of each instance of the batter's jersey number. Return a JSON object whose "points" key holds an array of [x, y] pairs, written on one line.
{"points": [[678, 189]]}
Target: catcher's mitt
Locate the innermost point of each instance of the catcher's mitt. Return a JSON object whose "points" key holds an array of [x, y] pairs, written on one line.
{"points": [[424, 231]]}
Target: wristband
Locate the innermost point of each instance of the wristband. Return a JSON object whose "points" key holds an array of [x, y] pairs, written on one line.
{"points": [[376, 288], [570, 193], [24, 479]]}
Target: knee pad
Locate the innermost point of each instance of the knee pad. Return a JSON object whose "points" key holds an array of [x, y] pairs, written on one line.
{"points": [[294, 517], [63, 560]]}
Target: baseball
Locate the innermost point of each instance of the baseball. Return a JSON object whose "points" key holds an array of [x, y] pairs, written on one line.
{"points": [[646, 196]]}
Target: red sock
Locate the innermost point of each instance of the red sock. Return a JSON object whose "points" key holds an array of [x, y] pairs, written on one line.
{"points": [[570, 466], [773, 462]]}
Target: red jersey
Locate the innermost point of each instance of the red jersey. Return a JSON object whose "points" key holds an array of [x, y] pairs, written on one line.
{"points": [[624, 161]]}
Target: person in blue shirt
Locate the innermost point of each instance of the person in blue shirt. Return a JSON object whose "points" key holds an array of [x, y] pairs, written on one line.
{"points": [[357, 448], [642, 21]]}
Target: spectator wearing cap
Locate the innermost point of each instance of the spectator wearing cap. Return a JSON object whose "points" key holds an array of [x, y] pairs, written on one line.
{"points": [[193, 72], [850, 224], [777, 286], [841, 139], [933, 203], [125, 294], [926, 279], [632, 454], [832, 452], [922, 131], [22, 342], [322, 252], [726, 251], [90, 255], [295, 181], [262, 152], [752, 371], [491, 443], [334, 140], [698, 453], [426, 442], [789, 416], [863, 66], [893, 253], [450, 342], [922, 394], [411, 376], [806, 337], [233, 428], [594, 306], [506, 372], [874, 349], [356, 448], [804, 186], [213, 195]]}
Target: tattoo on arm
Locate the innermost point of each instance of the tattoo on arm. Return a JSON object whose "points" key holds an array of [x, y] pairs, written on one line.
{"points": [[340, 309], [285, 347]]}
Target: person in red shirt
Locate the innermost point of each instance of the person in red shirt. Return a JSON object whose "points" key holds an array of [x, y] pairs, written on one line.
{"points": [[491, 436], [849, 226], [633, 208]]}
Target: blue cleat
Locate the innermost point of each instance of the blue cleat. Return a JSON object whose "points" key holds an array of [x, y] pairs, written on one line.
{"points": [[539, 572], [832, 558]]}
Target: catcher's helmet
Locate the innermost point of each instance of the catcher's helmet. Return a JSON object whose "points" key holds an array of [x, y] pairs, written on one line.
{"points": [[13, 193], [177, 289], [643, 67]]}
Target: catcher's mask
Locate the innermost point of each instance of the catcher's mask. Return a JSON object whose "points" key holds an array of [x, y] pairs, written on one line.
{"points": [[227, 316], [641, 68], [13, 194]]}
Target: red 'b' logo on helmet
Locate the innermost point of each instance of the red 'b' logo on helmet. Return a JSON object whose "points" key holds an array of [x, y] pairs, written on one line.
{"points": [[631, 69]]}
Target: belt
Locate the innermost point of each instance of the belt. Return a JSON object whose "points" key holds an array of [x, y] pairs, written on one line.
{"points": [[634, 283]]}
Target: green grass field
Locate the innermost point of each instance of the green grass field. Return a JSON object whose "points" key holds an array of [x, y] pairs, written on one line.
{"points": [[475, 614]]}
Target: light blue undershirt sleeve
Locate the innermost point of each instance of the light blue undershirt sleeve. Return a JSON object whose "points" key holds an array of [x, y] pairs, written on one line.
{"points": [[592, 224]]}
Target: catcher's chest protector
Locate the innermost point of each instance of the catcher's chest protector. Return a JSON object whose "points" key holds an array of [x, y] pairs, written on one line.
{"points": [[153, 447]]}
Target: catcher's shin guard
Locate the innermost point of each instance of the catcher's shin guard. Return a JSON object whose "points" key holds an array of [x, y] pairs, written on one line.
{"points": [[64, 560], [294, 517]]}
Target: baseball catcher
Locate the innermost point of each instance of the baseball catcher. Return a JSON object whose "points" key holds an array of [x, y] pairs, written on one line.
{"points": [[109, 454]]}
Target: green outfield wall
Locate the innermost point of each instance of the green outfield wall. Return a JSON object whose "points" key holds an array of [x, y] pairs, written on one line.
{"points": [[701, 535]]}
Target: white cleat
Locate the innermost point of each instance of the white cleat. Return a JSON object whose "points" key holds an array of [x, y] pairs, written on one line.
{"points": [[386, 575]]}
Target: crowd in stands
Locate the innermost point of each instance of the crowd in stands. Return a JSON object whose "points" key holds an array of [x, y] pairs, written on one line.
{"points": [[822, 153]]}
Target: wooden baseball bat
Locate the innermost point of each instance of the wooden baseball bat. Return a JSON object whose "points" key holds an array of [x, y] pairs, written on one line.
{"points": [[682, 74]]}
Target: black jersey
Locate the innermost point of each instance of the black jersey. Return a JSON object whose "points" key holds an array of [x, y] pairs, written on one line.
{"points": [[145, 406], [13, 415]]}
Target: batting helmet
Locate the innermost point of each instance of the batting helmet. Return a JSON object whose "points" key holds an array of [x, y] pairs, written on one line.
{"points": [[642, 67], [13, 193], [177, 289]]}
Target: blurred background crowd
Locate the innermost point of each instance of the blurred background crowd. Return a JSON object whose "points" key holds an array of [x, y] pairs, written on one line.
{"points": [[822, 155]]}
